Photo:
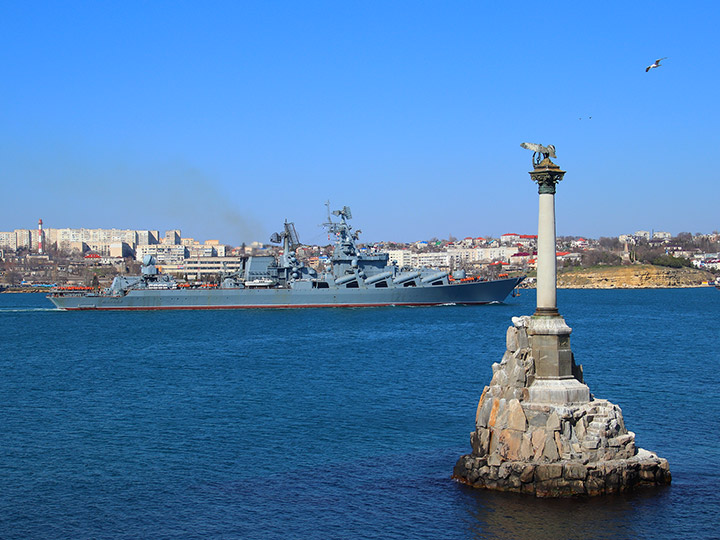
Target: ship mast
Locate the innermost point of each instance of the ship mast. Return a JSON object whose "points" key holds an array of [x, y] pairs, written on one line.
{"points": [[345, 240]]}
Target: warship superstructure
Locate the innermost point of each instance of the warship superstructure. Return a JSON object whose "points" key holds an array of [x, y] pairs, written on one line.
{"points": [[352, 278]]}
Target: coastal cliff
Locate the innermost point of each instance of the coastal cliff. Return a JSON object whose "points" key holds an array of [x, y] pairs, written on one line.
{"points": [[637, 276]]}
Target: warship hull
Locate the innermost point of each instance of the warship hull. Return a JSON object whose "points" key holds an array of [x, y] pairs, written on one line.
{"points": [[476, 292]]}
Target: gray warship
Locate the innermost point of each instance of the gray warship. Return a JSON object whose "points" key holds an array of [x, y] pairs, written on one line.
{"points": [[352, 278]]}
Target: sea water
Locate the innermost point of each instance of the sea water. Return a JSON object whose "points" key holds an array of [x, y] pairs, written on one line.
{"points": [[333, 423]]}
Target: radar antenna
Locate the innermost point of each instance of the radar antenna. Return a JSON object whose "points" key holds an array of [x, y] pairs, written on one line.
{"points": [[289, 236], [292, 235], [344, 214]]}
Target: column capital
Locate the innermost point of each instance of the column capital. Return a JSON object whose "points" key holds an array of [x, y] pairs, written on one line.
{"points": [[546, 175]]}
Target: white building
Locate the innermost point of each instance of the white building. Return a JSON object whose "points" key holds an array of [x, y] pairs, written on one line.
{"points": [[23, 237], [509, 238], [164, 253], [706, 261], [483, 254], [8, 240], [201, 268], [172, 237], [452, 258], [432, 260], [401, 257], [211, 248]]}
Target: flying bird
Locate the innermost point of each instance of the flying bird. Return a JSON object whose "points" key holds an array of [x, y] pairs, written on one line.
{"points": [[655, 64]]}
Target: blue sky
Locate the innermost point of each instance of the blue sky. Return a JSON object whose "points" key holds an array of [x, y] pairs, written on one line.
{"points": [[226, 118]]}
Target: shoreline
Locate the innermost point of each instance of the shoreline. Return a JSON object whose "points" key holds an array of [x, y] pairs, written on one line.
{"points": [[580, 287], [577, 287], [640, 276], [18, 290]]}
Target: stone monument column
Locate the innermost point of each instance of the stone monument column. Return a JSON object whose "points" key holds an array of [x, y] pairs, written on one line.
{"points": [[546, 175], [555, 379], [537, 428]]}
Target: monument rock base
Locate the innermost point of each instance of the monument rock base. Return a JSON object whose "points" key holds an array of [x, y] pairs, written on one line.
{"points": [[550, 449], [564, 478]]}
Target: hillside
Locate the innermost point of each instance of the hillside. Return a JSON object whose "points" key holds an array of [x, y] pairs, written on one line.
{"points": [[639, 276]]}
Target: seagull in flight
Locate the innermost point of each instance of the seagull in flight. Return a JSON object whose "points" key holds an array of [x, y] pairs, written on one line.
{"points": [[654, 65]]}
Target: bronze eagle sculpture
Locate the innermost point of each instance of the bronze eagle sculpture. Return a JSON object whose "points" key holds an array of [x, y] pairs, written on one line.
{"points": [[540, 152]]}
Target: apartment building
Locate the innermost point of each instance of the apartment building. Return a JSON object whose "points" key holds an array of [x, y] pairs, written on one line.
{"points": [[453, 257], [202, 268]]}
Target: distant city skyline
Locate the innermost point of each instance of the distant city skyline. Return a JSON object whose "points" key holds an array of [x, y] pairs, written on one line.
{"points": [[226, 119], [162, 233]]}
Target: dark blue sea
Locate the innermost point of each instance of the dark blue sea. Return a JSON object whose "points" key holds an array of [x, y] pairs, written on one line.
{"points": [[333, 423]]}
